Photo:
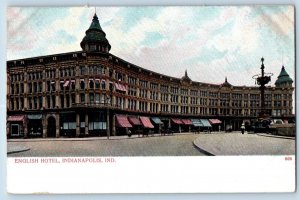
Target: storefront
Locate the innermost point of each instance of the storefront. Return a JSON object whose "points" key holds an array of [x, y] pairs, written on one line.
{"points": [[67, 125], [216, 124], [176, 125], [97, 123], [157, 124], [34, 125], [187, 123], [122, 125], [16, 126]]}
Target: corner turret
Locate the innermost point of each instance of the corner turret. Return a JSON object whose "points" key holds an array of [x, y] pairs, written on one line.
{"points": [[94, 39]]}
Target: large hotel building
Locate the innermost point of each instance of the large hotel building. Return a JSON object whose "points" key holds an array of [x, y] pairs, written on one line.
{"points": [[94, 93]]}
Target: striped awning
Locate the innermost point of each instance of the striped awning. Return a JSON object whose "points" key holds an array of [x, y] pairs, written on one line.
{"points": [[134, 120], [187, 121], [15, 118], [197, 122], [120, 87], [215, 121], [122, 121], [205, 123], [146, 122], [156, 120], [177, 121]]}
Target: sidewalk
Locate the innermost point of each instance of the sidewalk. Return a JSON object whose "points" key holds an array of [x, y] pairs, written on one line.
{"points": [[233, 144]]}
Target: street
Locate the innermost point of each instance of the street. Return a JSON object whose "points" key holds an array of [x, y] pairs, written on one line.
{"points": [[171, 145], [179, 144]]}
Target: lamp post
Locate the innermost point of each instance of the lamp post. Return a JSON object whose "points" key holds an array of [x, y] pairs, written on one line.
{"points": [[262, 79]]}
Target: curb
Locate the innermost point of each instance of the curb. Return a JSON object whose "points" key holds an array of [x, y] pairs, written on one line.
{"points": [[18, 151], [202, 150]]}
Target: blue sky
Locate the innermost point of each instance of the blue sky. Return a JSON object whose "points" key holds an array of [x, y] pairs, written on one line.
{"points": [[211, 42]]}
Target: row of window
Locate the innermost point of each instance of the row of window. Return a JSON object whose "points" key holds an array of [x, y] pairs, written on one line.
{"points": [[97, 99], [97, 84], [37, 87]]}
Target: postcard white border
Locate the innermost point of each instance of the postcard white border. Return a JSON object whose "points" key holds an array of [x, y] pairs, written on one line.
{"points": [[188, 174], [5, 165]]}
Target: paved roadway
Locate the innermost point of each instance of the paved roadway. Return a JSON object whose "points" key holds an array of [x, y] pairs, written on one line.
{"points": [[182, 144], [234, 144], [171, 145]]}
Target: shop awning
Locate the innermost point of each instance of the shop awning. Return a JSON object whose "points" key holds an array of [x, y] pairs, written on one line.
{"points": [[177, 121], [215, 121], [36, 116], [123, 122], [134, 120], [197, 122], [187, 121], [156, 120], [66, 83], [146, 122], [16, 118], [205, 123]]}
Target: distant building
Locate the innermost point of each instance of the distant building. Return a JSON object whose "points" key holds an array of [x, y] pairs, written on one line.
{"points": [[93, 93]]}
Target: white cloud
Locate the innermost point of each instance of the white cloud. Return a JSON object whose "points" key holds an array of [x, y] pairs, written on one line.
{"points": [[184, 39]]}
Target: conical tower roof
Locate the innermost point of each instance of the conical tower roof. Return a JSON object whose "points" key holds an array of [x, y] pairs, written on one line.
{"points": [[283, 78], [95, 36]]}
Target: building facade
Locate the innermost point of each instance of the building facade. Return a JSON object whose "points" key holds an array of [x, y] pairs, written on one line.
{"points": [[94, 93]]}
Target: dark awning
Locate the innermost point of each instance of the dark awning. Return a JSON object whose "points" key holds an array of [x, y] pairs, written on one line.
{"points": [[177, 121], [205, 123], [134, 120], [122, 121], [37, 116], [146, 122], [156, 120], [15, 118]]}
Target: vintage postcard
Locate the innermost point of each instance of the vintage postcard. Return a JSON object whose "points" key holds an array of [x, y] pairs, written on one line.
{"points": [[151, 99]]}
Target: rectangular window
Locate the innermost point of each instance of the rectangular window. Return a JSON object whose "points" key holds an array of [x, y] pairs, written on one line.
{"points": [[82, 98]]}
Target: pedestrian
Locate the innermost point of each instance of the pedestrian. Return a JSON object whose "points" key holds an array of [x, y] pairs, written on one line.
{"points": [[129, 133], [243, 128]]}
